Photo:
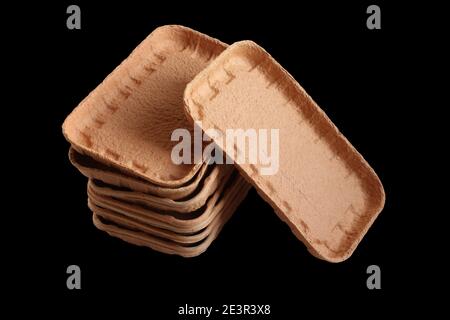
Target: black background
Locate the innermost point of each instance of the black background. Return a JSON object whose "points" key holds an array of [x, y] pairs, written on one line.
{"points": [[359, 77]]}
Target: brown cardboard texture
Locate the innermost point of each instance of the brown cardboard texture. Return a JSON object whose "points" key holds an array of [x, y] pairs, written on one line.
{"points": [[128, 119], [223, 212], [93, 169], [324, 189]]}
